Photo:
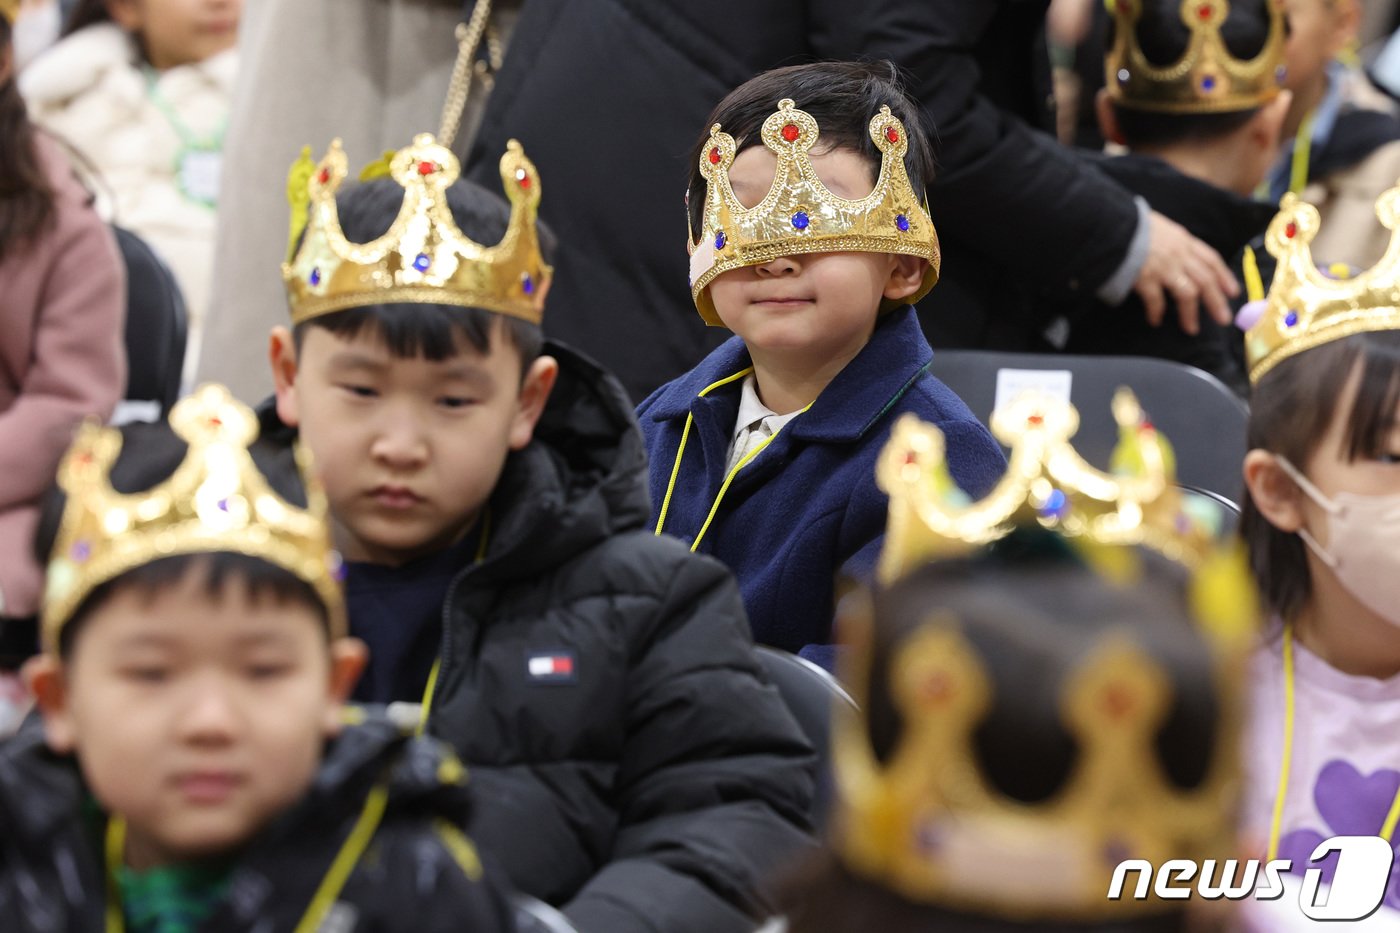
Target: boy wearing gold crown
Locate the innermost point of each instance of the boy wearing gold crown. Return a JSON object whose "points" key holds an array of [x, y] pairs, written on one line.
{"points": [[489, 494], [191, 770], [1194, 94], [814, 242], [1041, 695]]}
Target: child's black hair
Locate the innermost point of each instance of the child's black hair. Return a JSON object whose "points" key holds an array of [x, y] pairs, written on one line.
{"points": [[1163, 38], [432, 331], [150, 454], [1032, 612], [86, 13], [1290, 411], [26, 199], [841, 96]]}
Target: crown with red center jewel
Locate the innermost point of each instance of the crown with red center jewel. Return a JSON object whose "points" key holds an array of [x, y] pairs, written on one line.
{"points": [[799, 214], [423, 257], [1306, 307], [1207, 78], [927, 820], [216, 500]]}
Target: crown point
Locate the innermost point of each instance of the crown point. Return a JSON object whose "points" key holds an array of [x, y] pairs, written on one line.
{"points": [[801, 221], [902, 223], [714, 155], [791, 132], [892, 135]]}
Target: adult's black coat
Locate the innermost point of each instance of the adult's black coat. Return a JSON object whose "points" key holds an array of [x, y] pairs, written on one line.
{"points": [[631, 764], [609, 96], [415, 877]]}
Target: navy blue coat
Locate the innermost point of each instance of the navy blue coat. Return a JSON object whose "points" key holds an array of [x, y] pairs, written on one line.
{"points": [[807, 506]]}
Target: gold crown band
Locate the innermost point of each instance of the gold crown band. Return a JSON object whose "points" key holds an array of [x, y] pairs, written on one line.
{"points": [[423, 258], [1306, 308], [1207, 79], [800, 215], [217, 500]]}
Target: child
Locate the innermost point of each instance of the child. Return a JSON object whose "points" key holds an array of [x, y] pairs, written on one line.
{"points": [[191, 771], [1035, 710], [762, 455], [61, 356], [631, 763], [142, 89], [1319, 519], [1200, 138], [1341, 141]]}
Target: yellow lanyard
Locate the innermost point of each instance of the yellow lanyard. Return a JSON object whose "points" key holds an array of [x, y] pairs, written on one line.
{"points": [[425, 705], [326, 892], [1297, 181], [724, 487], [1391, 818]]}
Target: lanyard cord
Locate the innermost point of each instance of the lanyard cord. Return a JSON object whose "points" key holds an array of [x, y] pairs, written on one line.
{"points": [[189, 139], [425, 705], [1391, 818], [724, 487], [1297, 181], [326, 892]]}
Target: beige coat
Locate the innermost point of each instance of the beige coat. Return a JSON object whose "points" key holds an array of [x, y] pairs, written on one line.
{"points": [[372, 72], [1346, 199]]}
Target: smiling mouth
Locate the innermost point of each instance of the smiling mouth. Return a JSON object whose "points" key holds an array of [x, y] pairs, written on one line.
{"points": [[783, 302], [208, 787]]}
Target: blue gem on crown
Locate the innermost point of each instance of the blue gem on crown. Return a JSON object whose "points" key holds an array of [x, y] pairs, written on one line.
{"points": [[902, 223], [720, 240], [801, 221], [422, 261], [1290, 319], [527, 284], [315, 278]]}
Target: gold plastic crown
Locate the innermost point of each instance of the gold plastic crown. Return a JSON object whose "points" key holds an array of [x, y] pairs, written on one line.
{"points": [[1046, 482], [927, 822], [216, 500], [423, 257], [1207, 79], [1305, 307], [799, 215]]}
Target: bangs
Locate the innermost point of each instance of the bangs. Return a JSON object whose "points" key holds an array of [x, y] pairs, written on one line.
{"points": [[1372, 418]]}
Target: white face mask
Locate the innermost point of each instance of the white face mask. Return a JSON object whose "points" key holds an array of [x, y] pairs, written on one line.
{"points": [[1364, 537]]}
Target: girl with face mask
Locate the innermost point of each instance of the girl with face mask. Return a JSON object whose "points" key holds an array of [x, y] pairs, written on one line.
{"points": [[1322, 524]]}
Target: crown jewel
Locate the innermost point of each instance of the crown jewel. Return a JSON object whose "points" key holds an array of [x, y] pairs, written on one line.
{"points": [[1207, 79], [424, 256], [1306, 307], [927, 822], [216, 500], [1046, 481], [799, 214]]}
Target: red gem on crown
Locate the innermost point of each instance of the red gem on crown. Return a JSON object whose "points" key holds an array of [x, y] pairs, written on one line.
{"points": [[892, 135], [1204, 11], [1291, 230], [522, 178], [714, 155], [427, 168], [791, 132], [324, 175], [1036, 420]]}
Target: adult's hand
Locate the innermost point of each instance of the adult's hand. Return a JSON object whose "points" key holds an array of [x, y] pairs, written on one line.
{"points": [[1190, 271]]}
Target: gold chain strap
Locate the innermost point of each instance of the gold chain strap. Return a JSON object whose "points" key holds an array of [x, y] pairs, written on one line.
{"points": [[469, 36]]}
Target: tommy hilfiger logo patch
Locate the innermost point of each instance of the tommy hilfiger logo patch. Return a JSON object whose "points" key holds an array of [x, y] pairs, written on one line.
{"points": [[552, 667]]}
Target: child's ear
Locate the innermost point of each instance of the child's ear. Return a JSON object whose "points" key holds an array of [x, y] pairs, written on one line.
{"points": [[348, 659], [905, 277], [534, 393], [44, 676], [282, 355], [1267, 124], [1108, 118], [1273, 491]]}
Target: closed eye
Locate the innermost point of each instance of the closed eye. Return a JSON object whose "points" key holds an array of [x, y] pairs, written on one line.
{"points": [[360, 391]]}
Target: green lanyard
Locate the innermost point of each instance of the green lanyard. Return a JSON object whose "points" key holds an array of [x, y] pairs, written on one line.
{"points": [[198, 161]]}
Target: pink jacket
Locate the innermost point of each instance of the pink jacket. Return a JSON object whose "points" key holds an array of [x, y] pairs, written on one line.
{"points": [[62, 358]]}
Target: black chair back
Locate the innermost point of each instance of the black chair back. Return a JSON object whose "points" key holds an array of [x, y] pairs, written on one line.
{"points": [[156, 325]]}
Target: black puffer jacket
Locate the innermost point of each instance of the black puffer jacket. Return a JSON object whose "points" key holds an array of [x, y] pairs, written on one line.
{"points": [[630, 762], [411, 879]]}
